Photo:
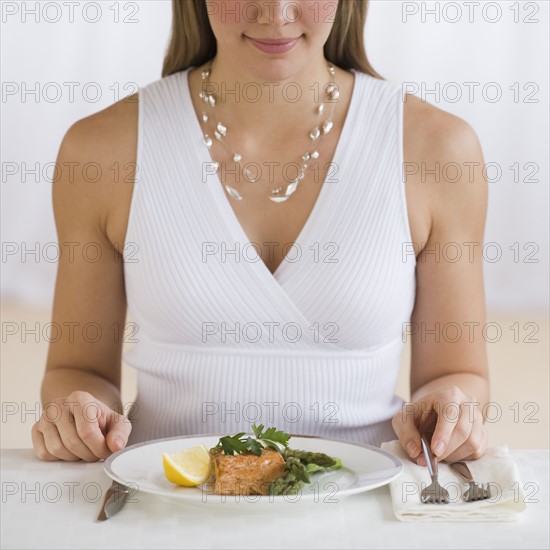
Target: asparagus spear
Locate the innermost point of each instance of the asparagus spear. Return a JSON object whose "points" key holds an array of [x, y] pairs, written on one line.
{"points": [[307, 457], [292, 480], [299, 464]]}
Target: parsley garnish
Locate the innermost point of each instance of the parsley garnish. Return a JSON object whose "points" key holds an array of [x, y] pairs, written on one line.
{"points": [[236, 444], [271, 436]]}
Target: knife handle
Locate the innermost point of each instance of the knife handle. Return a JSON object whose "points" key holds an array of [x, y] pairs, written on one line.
{"points": [[462, 469]]}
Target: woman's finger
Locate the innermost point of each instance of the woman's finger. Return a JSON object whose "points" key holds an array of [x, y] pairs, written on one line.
{"points": [[447, 418], [70, 438], [459, 436], [475, 446], [404, 425], [39, 446], [87, 414], [54, 444], [119, 428]]}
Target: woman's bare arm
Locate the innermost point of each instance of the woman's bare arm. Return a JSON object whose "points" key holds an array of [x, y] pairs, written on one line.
{"points": [[89, 310], [449, 370]]}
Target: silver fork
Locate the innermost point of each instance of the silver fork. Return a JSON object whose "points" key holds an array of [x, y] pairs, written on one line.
{"points": [[433, 493], [476, 491]]}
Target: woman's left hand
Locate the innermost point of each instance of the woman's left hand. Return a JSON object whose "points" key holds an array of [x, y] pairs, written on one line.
{"points": [[460, 432]]}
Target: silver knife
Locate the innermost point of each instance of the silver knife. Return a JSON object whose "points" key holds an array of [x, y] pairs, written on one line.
{"points": [[115, 498]]}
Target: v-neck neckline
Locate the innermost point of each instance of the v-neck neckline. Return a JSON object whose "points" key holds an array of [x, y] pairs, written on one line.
{"points": [[220, 196]]}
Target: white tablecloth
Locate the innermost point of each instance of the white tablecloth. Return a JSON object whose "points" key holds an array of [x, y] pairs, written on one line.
{"points": [[55, 505]]}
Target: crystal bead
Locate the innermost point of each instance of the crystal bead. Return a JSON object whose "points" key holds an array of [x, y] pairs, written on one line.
{"points": [[335, 94], [215, 165], [218, 135], [290, 188], [233, 193], [237, 157], [315, 155], [212, 100], [306, 157], [301, 174], [207, 140], [315, 133], [327, 126], [331, 89], [278, 199], [204, 117], [221, 129], [247, 174], [276, 191], [205, 74], [331, 70], [321, 108]]}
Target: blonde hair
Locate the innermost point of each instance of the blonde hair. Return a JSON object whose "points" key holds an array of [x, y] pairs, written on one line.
{"points": [[193, 42]]}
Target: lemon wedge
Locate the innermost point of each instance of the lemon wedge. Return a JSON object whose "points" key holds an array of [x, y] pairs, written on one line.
{"points": [[189, 467]]}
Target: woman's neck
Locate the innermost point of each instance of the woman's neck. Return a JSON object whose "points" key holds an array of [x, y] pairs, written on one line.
{"points": [[271, 99]]}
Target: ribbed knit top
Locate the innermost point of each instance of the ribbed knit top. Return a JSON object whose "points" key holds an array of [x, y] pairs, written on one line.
{"points": [[221, 342]]}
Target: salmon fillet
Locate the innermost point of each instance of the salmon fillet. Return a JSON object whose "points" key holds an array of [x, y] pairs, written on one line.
{"points": [[246, 473]]}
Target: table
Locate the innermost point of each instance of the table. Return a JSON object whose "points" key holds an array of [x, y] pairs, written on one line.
{"points": [[54, 505]]}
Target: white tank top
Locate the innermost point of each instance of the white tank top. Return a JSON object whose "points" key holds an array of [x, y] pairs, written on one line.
{"points": [[222, 343]]}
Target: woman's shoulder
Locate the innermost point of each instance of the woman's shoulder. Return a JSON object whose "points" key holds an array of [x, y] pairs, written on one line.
{"points": [[105, 135], [443, 166], [116, 124], [431, 133], [97, 167]]}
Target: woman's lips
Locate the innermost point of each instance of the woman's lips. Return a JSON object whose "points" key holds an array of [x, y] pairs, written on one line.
{"points": [[274, 45]]}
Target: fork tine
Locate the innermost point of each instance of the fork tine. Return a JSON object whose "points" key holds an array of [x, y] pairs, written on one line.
{"points": [[479, 492], [482, 492], [475, 491], [434, 493]]}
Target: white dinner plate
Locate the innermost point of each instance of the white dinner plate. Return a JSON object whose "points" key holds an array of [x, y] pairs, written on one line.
{"points": [[364, 467]]}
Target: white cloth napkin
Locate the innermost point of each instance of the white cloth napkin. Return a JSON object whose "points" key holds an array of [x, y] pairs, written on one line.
{"points": [[495, 467]]}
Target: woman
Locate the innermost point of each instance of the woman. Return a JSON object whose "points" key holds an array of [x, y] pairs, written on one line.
{"points": [[274, 214]]}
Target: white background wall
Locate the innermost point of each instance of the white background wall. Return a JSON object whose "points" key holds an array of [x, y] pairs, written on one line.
{"points": [[425, 45]]}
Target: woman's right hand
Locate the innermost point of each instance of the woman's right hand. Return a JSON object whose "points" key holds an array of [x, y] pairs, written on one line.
{"points": [[79, 427]]}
